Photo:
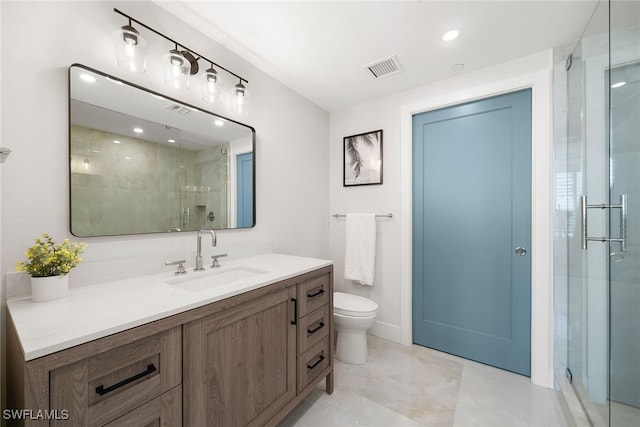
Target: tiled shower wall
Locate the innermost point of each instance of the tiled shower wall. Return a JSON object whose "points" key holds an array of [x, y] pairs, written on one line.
{"points": [[137, 186]]}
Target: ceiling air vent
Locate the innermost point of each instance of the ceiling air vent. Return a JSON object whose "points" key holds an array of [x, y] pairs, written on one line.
{"points": [[180, 109], [385, 67]]}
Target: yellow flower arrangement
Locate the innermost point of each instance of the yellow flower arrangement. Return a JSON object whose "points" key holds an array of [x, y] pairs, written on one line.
{"points": [[48, 259]]}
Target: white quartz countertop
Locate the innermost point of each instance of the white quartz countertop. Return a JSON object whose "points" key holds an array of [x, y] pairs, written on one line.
{"points": [[92, 312]]}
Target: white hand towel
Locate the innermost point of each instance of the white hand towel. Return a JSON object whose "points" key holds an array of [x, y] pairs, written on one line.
{"points": [[360, 248]]}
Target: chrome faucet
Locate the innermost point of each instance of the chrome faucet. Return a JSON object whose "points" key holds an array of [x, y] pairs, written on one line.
{"points": [[214, 242]]}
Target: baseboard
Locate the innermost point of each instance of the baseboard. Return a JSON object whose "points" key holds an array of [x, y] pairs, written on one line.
{"points": [[385, 330]]}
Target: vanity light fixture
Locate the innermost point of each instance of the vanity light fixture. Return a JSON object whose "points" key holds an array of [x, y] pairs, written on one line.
{"points": [[131, 49], [210, 83], [240, 95], [180, 63], [177, 70]]}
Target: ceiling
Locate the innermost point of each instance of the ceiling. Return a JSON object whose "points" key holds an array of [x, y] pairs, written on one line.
{"points": [[320, 48]]}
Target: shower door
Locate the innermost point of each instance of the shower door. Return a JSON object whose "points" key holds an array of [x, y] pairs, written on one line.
{"points": [[603, 216], [624, 155]]}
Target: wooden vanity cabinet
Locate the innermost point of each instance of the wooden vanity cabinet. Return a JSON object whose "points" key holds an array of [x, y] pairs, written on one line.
{"points": [[253, 363], [315, 322], [247, 360], [240, 367], [165, 410], [125, 376]]}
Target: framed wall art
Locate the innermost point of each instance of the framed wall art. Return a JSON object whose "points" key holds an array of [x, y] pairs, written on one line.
{"points": [[363, 159]]}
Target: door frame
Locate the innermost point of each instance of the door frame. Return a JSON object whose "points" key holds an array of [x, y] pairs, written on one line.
{"points": [[541, 216]]}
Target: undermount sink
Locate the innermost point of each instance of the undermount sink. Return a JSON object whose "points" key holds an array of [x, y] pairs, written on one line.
{"points": [[199, 281]]}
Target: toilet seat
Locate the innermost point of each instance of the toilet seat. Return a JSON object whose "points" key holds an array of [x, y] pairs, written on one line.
{"points": [[353, 305]]}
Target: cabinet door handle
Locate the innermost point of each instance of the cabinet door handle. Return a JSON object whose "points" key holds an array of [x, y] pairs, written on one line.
{"points": [[295, 311], [316, 363], [101, 390], [320, 292], [316, 329]]}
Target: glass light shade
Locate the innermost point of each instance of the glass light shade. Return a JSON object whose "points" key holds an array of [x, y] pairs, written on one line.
{"points": [[210, 83], [131, 49], [177, 70], [239, 99]]}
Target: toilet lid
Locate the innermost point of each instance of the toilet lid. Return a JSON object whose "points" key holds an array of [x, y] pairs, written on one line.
{"points": [[353, 305]]}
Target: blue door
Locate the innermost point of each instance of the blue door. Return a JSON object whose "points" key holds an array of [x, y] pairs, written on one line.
{"points": [[245, 190], [472, 230]]}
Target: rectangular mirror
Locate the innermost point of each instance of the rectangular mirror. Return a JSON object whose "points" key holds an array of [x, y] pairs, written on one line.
{"points": [[141, 162]]}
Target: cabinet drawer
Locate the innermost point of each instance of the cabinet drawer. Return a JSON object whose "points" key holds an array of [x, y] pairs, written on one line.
{"points": [[312, 363], [164, 410], [312, 328], [108, 385], [313, 294]]}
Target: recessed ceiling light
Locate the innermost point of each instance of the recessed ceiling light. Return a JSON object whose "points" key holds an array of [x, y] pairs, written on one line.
{"points": [[118, 82], [115, 141], [451, 35], [138, 130], [219, 122], [171, 140], [88, 78], [619, 84]]}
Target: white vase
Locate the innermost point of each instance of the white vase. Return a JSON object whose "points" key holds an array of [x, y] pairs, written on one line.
{"points": [[49, 288]]}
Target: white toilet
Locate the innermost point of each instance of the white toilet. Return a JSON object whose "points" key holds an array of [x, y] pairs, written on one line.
{"points": [[352, 316]]}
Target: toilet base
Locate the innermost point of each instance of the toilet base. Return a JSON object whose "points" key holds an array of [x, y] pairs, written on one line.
{"points": [[351, 347]]}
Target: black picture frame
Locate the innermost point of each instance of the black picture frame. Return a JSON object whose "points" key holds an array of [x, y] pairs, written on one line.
{"points": [[362, 159]]}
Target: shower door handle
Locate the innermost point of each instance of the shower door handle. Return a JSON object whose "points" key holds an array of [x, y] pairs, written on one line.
{"points": [[521, 251], [623, 222]]}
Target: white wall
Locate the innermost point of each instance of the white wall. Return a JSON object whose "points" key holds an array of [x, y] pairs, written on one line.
{"points": [[392, 285], [41, 40]]}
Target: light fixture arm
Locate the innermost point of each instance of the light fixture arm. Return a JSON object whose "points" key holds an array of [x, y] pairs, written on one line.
{"points": [[198, 56]]}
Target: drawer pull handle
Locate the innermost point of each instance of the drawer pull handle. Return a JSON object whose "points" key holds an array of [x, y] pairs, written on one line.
{"points": [[316, 329], [320, 292], [317, 362], [295, 311], [102, 391]]}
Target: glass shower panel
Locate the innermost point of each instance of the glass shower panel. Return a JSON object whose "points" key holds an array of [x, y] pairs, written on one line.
{"points": [[624, 123], [588, 175], [603, 164]]}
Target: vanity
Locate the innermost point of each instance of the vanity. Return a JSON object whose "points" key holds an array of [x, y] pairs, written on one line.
{"points": [[239, 345]]}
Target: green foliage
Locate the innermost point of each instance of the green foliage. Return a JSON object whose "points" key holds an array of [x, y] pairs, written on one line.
{"points": [[48, 259]]}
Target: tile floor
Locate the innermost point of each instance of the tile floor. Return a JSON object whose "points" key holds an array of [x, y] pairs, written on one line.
{"points": [[416, 386]]}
